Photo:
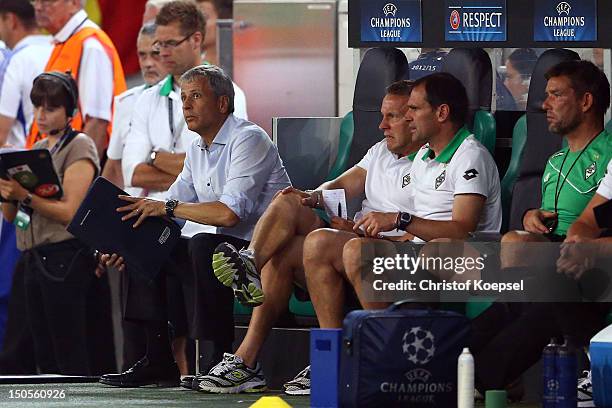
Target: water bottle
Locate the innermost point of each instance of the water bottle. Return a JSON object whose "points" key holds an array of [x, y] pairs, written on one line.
{"points": [[549, 377], [465, 380], [566, 375]]}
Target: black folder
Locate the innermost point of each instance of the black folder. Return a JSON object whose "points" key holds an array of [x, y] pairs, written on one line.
{"points": [[99, 225], [603, 214], [34, 170]]}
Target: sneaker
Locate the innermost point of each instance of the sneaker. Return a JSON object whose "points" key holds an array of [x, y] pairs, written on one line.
{"points": [[236, 269], [585, 391], [300, 385], [145, 373], [232, 376]]}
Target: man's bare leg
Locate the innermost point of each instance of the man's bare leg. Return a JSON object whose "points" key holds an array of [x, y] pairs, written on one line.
{"points": [[284, 219], [352, 256], [514, 253], [325, 274], [277, 279]]}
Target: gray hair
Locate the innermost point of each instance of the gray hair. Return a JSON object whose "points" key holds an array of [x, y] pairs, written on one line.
{"points": [[157, 3], [148, 29], [219, 82]]}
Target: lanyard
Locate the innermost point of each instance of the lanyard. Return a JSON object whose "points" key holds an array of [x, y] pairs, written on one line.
{"points": [[60, 143], [175, 137], [559, 188], [50, 63]]}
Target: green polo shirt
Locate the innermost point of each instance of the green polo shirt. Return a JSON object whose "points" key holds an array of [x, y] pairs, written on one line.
{"points": [[580, 184]]}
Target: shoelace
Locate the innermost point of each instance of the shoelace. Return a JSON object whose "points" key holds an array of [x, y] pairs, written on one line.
{"points": [[305, 373], [224, 366]]}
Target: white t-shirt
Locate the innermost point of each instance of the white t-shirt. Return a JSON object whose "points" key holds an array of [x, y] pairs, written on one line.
{"points": [[122, 119], [464, 167], [387, 182], [26, 61], [96, 73], [605, 188]]}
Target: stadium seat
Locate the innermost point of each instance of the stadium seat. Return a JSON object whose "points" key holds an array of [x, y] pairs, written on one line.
{"points": [[472, 66], [539, 144], [519, 138], [379, 68], [345, 141]]}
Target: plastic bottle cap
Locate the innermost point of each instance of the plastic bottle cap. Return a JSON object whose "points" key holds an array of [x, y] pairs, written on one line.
{"points": [[466, 350]]}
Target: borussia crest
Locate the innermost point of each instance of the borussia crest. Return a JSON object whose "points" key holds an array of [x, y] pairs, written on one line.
{"points": [[590, 171], [406, 180], [440, 179]]}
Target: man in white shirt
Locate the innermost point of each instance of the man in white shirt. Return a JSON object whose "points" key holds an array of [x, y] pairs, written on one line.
{"points": [[100, 75], [231, 173], [27, 59], [276, 248], [152, 72]]}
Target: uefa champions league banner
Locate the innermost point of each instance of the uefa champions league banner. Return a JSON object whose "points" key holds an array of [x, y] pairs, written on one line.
{"points": [[570, 20], [475, 20], [391, 21]]}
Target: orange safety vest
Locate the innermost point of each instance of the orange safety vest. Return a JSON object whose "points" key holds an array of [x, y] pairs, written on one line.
{"points": [[67, 57]]}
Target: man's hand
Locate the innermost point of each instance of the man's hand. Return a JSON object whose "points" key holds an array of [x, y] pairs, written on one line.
{"points": [[341, 224], [309, 199], [112, 261], [142, 208], [534, 221], [578, 255], [11, 190], [373, 223]]}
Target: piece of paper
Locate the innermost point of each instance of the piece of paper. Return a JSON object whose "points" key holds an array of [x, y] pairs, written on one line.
{"points": [[335, 203]]}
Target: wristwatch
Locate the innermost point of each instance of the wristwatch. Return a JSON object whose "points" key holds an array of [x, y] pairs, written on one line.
{"points": [[402, 221], [170, 207], [27, 200], [152, 158]]}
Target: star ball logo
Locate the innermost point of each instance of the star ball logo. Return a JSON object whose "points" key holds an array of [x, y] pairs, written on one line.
{"points": [[418, 345], [455, 20], [389, 8]]}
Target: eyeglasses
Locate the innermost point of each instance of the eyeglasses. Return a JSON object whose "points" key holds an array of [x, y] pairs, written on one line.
{"points": [[44, 3], [159, 45]]}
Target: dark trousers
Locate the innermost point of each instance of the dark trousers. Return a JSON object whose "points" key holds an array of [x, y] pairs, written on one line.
{"points": [[508, 338], [58, 278], [17, 356], [208, 304]]}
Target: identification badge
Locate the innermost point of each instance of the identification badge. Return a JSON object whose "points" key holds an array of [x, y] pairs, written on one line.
{"points": [[22, 220]]}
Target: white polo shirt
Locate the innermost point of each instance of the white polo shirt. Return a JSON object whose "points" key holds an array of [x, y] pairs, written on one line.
{"points": [[387, 182], [605, 188], [463, 167], [122, 119], [95, 72], [24, 63]]}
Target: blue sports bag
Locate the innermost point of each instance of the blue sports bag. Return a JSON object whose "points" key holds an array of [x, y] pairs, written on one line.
{"points": [[401, 358]]}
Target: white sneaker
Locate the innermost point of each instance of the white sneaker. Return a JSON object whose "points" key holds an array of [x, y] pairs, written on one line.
{"points": [[300, 385], [585, 391], [232, 376]]}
